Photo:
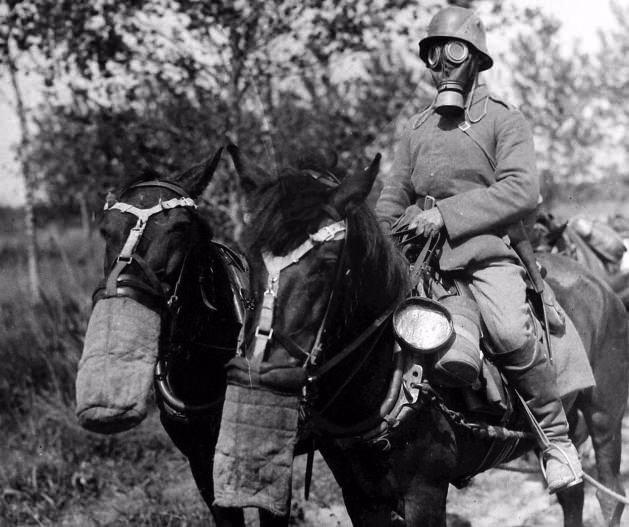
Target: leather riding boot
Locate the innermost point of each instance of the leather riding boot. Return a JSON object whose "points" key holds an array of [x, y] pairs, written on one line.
{"points": [[531, 374]]}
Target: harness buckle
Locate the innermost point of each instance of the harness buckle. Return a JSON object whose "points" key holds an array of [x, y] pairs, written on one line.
{"points": [[326, 233], [263, 333], [464, 126], [124, 259]]}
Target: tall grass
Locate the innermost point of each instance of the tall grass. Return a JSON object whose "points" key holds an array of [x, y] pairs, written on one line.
{"points": [[40, 345], [51, 471]]}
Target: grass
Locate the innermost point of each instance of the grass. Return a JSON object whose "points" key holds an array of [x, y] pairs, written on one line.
{"points": [[52, 472]]}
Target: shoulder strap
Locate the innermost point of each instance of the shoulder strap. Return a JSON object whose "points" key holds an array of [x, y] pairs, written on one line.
{"points": [[468, 130], [421, 117], [502, 102]]}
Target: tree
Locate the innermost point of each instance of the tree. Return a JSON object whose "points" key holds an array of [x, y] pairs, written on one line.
{"points": [[247, 64], [611, 86], [553, 87]]}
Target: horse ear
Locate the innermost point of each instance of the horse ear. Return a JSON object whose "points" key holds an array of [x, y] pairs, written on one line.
{"points": [[251, 175], [355, 188], [196, 179]]}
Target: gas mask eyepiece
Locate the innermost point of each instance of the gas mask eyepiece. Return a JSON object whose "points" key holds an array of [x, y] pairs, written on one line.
{"points": [[453, 51], [452, 65]]}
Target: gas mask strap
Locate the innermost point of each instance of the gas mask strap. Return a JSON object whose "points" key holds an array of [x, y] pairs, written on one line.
{"points": [[470, 101]]}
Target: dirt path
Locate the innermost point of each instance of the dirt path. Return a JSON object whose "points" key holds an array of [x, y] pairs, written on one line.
{"points": [[166, 495], [496, 498]]}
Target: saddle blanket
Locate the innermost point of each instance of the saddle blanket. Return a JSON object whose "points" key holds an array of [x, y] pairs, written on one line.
{"points": [[573, 368], [571, 363]]}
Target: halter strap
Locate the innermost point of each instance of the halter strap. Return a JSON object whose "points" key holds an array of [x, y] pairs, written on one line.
{"points": [[127, 254], [157, 183], [274, 266]]}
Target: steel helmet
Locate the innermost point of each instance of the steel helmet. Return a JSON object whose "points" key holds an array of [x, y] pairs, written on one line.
{"points": [[461, 23]]}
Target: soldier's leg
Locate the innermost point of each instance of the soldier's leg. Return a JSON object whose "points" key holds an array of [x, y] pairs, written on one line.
{"points": [[500, 291]]}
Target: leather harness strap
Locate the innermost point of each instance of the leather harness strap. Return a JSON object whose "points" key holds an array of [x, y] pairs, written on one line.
{"points": [[467, 129], [274, 266], [127, 254]]}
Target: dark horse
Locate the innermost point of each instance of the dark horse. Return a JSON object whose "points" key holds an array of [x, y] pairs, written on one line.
{"points": [[177, 271], [328, 315]]}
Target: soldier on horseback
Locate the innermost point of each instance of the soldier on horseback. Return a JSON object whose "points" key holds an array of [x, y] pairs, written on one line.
{"points": [[475, 155]]}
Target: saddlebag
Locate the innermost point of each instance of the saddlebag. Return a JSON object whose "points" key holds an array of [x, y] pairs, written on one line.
{"points": [[603, 240]]}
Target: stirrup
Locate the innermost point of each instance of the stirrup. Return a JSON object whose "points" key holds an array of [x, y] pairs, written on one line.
{"points": [[552, 450]]}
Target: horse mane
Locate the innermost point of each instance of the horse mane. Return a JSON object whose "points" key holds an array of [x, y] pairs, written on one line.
{"points": [[292, 206], [287, 211]]}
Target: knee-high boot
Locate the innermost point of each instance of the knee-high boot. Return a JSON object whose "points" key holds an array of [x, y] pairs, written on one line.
{"points": [[530, 372]]}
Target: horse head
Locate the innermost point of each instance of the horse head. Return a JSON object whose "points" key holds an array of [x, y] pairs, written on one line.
{"points": [[322, 271], [150, 228], [159, 299]]}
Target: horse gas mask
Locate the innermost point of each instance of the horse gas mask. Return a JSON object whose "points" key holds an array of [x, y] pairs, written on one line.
{"points": [[454, 66]]}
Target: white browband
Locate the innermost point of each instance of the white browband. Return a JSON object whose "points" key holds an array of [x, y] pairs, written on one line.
{"points": [[143, 215]]}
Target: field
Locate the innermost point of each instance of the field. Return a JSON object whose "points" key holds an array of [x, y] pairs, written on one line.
{"points": [[53, 473]]}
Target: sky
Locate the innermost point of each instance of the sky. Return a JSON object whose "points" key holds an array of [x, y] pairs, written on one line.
{"points": [[581, 20]]}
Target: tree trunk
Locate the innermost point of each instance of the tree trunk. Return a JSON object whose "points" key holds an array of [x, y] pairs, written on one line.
{"points": [[86, 220], [29, 213]]}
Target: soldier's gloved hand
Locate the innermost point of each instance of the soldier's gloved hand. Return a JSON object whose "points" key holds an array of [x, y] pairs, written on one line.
{"points": [[427, 222]]}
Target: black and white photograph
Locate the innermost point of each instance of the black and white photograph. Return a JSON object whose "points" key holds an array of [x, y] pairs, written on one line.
{"points": [[314, 263]]}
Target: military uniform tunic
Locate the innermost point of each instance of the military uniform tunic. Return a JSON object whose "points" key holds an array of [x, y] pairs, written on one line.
{"points": [[484, 180]]}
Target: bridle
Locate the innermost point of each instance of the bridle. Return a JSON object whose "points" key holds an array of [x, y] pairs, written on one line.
{"points": [[118, 284], [264, 331], [155, 295]]}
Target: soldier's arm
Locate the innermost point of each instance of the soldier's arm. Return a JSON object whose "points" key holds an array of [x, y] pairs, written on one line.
{"points": [[397, 192], [511, 198]]}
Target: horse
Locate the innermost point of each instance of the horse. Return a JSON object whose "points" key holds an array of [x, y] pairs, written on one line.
{"points": [[326, 280], [175, 269], [562, 238]]}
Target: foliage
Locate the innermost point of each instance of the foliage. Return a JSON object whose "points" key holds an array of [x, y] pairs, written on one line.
{"points": [[159, 84], [612, 76], [553, 88]]}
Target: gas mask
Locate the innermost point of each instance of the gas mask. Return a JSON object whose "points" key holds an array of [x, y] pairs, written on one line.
{"points": [[454, 67]]}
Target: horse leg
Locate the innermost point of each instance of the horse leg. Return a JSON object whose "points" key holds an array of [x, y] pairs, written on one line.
{"points": [[201, 468], [571, 501], [425, 502], [606, 440], [197, 444], [362, 481], [268, 519]]}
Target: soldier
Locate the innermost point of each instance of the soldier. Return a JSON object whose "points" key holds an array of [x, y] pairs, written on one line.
{"points": [[474, 154]]}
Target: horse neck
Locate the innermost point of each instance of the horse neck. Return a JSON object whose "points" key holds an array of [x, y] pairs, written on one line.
{"points": [[364, 379]]}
